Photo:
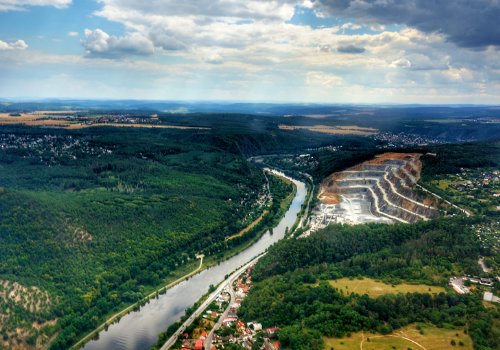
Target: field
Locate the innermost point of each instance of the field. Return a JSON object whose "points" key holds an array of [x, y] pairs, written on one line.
{"points": [[80, 126], [403, 339], [351, 130], [375, 289], [30, 119]]}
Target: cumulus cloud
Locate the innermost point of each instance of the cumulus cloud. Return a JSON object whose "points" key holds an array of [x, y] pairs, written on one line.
{"points": [[470, 24], [350, 49], [323, 49], [214, 59], [324, 80], [401, 63], [100, 44], [72, 33], [166, 42], [18, 45], [350, 25], [20, 5]]}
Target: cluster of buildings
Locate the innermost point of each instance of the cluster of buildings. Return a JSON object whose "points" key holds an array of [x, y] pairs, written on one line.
{"points": [[301, 161], [47, 147], [488, 234], [233, 330], [476, 178], [481, 120], [403, 139], [329, 148], [121, 119]]}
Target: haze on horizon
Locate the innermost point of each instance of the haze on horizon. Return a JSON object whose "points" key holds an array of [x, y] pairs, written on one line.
{"points": [[330, 51]]}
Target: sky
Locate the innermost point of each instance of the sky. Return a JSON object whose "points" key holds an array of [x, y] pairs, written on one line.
{"points": [[330, 51]]}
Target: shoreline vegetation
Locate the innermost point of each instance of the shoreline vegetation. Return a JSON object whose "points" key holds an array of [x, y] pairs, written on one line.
{"points": [[209, 261]]}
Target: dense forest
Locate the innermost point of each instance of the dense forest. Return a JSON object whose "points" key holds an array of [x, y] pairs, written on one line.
{"points": [[286, 296], [97, 220]]}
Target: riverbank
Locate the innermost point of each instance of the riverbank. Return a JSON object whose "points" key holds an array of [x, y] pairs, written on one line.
{"points": [[187, 270]]}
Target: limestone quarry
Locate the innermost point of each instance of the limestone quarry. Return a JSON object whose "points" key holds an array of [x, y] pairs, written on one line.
{"points": [[379, 190]]}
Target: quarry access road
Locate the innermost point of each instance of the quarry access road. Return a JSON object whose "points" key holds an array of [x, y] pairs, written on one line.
{"points": [[453, 205]]}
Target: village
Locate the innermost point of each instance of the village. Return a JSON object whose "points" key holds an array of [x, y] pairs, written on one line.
{"points": [[50, 149], [402, 139], [219, 327]]}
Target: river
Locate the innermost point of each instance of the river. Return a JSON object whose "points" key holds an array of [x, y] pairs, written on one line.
{"points": [[139, 330]]}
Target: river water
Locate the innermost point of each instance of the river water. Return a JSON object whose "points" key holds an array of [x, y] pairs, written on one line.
{"points": [[139, 330]]}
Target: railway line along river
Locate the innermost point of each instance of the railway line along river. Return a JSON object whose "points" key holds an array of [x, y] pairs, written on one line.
{"points": [[139, 330]]}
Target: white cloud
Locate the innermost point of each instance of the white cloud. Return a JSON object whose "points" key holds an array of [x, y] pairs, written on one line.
{"points": [[320, 79], [100, 44], [73, 33], [401, 63], [56, 40], [20, 5], [214, 59], [18, 45]]}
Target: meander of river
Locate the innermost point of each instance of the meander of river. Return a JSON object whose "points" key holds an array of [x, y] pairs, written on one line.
{"points": [[139, 330]]}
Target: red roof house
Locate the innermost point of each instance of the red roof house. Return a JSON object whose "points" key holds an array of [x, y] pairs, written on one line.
{"points": [[198, 345], [203, 335]]}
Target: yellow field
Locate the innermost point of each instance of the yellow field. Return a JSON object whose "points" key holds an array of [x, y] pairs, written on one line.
{"points": [[30, 119], [351, 130], [402, 339], [375, 289], [80, 126]]}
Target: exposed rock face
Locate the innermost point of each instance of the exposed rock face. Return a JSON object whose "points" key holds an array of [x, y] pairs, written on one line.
{"points": [[380, 190]]}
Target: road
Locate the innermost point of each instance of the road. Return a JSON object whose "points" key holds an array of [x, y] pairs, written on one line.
{"points": [[208, 340], [301, 224], [426, 190], [207, 302], [112, 318]]}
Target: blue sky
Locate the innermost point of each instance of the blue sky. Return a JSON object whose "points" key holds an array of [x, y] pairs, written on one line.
{"points": [[281, 50]]}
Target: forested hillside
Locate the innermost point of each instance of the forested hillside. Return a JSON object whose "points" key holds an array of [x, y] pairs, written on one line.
{"points": [[97, 219], [286, 296]]}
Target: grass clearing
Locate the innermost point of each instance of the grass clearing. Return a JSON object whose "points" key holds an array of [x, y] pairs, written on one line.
{"points": [[403, 339], [375, 289], [351, 130], [488, 304]]}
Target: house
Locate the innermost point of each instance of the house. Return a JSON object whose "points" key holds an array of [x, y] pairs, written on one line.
{"points": [[254, 326], [198, 345], [186, 344], [268, 345], [214, 348], [247, 344], [271, 330], [214, 314], [486, 282], [488, 296], [203, 335], [240, 326]]}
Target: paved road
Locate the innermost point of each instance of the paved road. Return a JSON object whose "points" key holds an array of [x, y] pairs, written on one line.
{"points": [[483, 266], [112, 318], [208, 340], [211, 298]]}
